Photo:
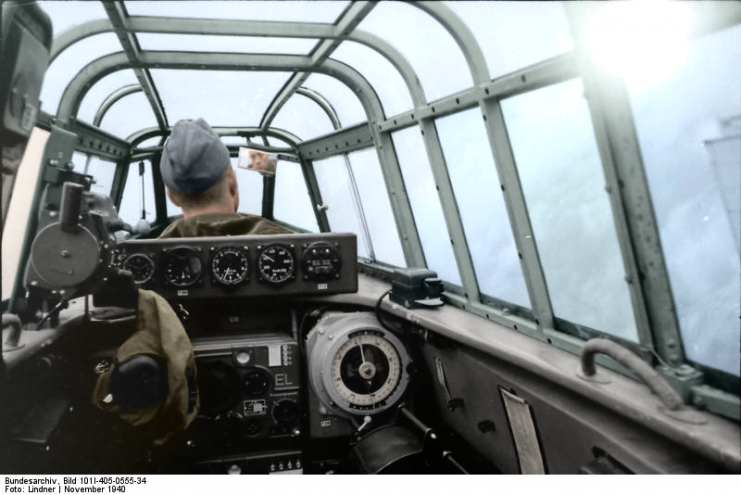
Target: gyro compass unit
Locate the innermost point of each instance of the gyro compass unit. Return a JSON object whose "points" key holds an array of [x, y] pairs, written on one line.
{"points": [[357, 367]]}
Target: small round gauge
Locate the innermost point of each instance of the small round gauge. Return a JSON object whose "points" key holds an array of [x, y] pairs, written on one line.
{"points": [[276, 264], [256, 383], [141, 267], [230, 266], [182, 266], [357, 367], [321, 261]]}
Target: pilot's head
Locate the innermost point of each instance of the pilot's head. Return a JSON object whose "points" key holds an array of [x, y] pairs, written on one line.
{"points": [[196, 169]]}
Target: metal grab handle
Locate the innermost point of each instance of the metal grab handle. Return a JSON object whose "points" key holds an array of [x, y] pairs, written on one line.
{"points": [[658, 385]]}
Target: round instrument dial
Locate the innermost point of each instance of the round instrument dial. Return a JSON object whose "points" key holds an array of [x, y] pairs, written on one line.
{"points": [[366, 369], [182, 266], [141, 267], [356, 366], [321, 261], [230, 266], [276, 264], [285, 411], [256, 383]]}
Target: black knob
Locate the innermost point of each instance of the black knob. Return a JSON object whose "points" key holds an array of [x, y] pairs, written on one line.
{"points": [[285, 411], [256, 383]]}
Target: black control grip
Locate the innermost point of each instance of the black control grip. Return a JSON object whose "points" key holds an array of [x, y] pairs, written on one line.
{"points": [[71, 206]]}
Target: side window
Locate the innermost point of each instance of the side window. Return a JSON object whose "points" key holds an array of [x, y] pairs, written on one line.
{"points": [[138, 196], [102, 172], [334, 184], [428, 212], [481, 205], [561, 174], [369, 215], [377, 207], [689, 129]]}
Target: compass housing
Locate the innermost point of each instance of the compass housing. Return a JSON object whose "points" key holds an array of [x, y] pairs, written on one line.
{"points": [[357, 367]]}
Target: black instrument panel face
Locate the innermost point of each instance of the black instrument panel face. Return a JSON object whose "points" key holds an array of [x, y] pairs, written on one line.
{"points": [[242, 266]]}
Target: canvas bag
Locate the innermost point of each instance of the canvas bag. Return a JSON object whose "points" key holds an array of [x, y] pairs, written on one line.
{"points": [[159, 334]]}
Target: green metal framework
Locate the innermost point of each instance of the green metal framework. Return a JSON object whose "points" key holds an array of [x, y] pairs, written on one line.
{"points": [[630, 199]]}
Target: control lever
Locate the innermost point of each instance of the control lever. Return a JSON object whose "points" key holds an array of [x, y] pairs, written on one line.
{"points": [[71, 207]]}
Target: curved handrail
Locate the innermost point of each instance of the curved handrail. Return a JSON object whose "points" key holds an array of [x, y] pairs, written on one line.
{"points": [[668, 396]]}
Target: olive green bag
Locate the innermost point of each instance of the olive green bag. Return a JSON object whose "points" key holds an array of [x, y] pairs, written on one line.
{"points": [[152, 382]]}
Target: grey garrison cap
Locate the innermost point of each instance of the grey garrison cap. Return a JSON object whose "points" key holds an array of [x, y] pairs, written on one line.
{"points": [[194, 157]]}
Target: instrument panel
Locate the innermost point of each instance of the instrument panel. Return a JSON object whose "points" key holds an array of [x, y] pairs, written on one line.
{"points": [[242, 266]]}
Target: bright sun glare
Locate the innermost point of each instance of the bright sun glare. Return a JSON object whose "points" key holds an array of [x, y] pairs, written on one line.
{"points": [[642, 40]]}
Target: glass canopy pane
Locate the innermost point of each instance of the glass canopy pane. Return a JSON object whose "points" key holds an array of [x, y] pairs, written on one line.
{"points": [[70, 62], [481, 205], [427, 46], [225, 44], [119, 119], [561, 174], [98, 93], [514, 35], [344, 101], [250, 185], [689, 128], [385, 79], [334, 185], [66, 15], [303, 117], [292, 202], [377, 207], [234, 140], [428, 213], [134, 199], [291, 11], [103, 171], [153, 141], [222, 98]]}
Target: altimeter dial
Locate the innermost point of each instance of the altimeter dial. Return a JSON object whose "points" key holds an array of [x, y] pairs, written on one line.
{"points": [[230, 266]]}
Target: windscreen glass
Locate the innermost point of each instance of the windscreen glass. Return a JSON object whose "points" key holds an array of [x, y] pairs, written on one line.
{"points": [[222, 98]]}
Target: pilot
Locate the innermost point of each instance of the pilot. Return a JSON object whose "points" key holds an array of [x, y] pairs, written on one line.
{"points": [[200, 180]]}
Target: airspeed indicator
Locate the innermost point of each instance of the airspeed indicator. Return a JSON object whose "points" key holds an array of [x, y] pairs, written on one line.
{"points": [[276, 264]]}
